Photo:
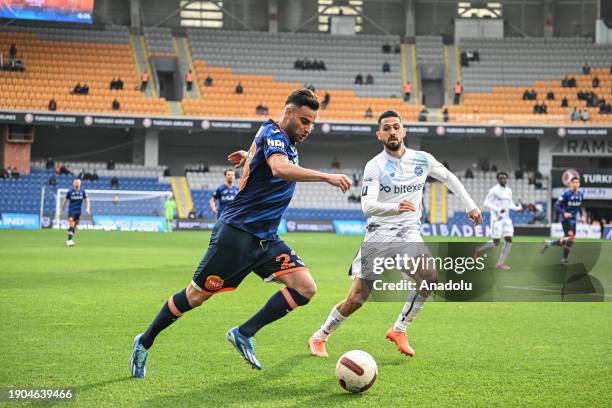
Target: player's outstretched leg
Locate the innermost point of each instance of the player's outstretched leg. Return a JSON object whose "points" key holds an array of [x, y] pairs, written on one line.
{"points": [[501, 263], [414, 304], [484, 248], [175, 307], [300, 288], [356, 298]]}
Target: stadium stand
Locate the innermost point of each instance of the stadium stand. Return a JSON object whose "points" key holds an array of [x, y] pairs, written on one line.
{"points": [[57, 59], [23, 195], [159, 41], [264, 65], [493, 86]]}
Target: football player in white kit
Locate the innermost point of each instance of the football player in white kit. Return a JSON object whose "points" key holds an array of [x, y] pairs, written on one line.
{"points": [[499, 201], [391, 196]]}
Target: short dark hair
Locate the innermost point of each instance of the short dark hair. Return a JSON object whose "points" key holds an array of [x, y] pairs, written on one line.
{"points": [[575, 178], [502, 173], [388, 114], [303, 97], [226, 170]]}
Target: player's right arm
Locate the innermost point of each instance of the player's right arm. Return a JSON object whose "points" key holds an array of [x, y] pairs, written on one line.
{"points": [[282, 168], [490, 201], [369, 195], [213, 201], [560, 207]]}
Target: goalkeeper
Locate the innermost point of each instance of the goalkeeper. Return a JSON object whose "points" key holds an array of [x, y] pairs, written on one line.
{"points": [[170, 206]]}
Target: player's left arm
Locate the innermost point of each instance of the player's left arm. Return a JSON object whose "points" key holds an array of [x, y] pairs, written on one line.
{"points": [[441, 173]]}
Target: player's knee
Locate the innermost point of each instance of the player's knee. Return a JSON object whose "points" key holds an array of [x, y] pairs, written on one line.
{"points": [[194, 297], [307, 289], [508, 239], [496, 241]]}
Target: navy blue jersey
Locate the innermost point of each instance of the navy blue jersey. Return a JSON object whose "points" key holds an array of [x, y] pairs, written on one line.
{"points": [[223, 195], [569, 202], [75, 198], [262, 198]]}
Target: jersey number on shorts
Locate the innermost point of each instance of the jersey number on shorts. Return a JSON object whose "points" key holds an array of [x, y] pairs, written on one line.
{"points": [[285, 258]]}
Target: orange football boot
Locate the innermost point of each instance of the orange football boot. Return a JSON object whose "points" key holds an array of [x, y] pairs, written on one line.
{"points": [[317, 347], [401, 341]]}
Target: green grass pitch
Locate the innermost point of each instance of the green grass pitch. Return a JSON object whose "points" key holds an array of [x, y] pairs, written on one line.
{"points": [[69, 316]]}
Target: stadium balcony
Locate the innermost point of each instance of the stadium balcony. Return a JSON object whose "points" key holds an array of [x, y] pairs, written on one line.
{"points": [[494, 85], [57, 59]]}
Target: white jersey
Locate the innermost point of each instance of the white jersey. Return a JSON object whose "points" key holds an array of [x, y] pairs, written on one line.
{"points": [[387, 180], [499, 201]]}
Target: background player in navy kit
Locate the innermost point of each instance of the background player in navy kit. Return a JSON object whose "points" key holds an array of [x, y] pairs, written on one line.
{"points": [[568, 206], [245, 237], [75, 197], [224, 193]]}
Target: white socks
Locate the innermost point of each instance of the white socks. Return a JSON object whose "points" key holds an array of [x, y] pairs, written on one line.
{"points": [[505, 252], [411, 308], [334, 320]]}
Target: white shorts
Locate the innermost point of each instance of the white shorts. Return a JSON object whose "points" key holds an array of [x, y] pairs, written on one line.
{"points": [[502, 228], [377, 240]]}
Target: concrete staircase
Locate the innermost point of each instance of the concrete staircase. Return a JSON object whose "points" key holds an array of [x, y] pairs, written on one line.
{"points": [[182, 195], [142, 61]]}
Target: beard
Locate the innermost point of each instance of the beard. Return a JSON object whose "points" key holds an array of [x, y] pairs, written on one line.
{"points": [[395, 147]]}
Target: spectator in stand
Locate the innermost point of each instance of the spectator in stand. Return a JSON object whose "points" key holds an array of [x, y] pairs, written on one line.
{"points": [[52, 180], [584, 115], [397, 49], [189, 80], [550, 96], [595, 82], [4, 174], [369, 79], [261, 109], [116, 105], [423, 115], [543, 108], [464, 59], [119, 83], [110, 165], [85, 89], [208, 81], [536, 109], [335, 164], [574, 115], [192, 214], [144, 81], [526, 95], [12, 54], [326, 100], [518, 174], [458, 91], [572, 82], [533, 95], [77, 88], [386, 48], [53, 105], [564, 82], [445, 114], [564, 102], [386, 67], [94, 176], [469, 174], [407, 91], [113, 84], [586, 69], [368, 113], [50, 163], [358, 79], [114, 183], [239, 89], [298, 64]]}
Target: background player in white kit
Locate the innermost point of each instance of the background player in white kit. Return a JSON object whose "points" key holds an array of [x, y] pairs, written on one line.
{"points": [[391, 195], [499, 201]]}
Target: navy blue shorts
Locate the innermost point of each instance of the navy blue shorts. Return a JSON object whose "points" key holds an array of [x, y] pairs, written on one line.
{"points": [[233, 253], [75, 216], [569, 226]]}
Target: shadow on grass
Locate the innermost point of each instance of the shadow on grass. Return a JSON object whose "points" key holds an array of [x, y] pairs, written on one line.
{"points": [[259, 389]]}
